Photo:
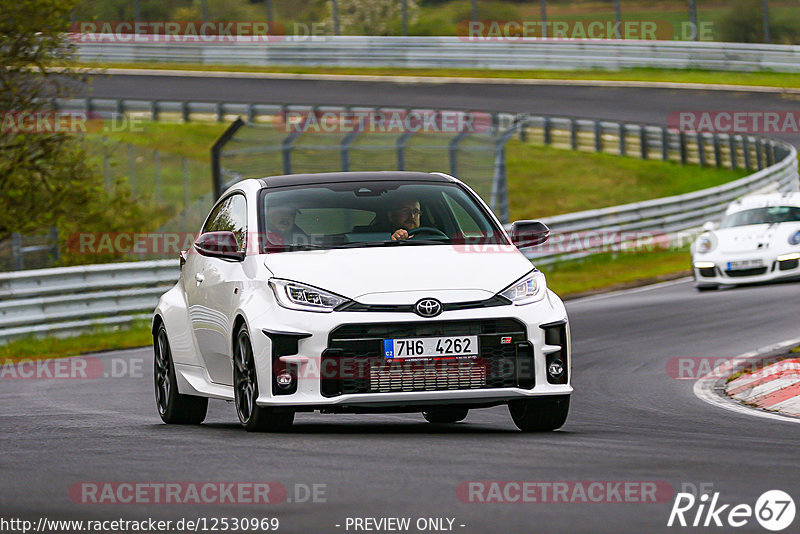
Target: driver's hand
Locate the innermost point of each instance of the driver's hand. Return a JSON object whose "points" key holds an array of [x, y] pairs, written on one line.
{"points": [[400, 234]]}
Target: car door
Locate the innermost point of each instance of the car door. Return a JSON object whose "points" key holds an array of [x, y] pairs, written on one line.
{"points": [[210, 289]]}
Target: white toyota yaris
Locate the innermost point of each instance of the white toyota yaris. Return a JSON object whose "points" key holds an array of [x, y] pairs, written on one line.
{"points": [[757, 241], [361, 292]]}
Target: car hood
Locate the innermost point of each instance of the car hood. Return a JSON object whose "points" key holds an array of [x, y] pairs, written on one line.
{"points": [[755, 237], [404, 274]]}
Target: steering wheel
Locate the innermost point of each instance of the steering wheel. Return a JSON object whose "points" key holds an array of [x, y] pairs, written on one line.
{"points": [[428, 230]]}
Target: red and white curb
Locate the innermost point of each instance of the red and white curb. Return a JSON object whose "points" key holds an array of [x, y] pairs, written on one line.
{"points": [[775, 387]]}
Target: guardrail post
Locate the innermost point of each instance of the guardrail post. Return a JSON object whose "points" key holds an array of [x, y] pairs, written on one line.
{"points": [[154, 110], [401, 150], [683, 149], [643, 141], [717, 151], [748, 159], [573, 133], [759, 153], [622, 144], [664, 144], [185, 112], [547, 134], [770, 154], [120, 108], [701, 149], [88, 107], [732, 148], [251, 112], [598, 137], [16, 251], [220, 112]]}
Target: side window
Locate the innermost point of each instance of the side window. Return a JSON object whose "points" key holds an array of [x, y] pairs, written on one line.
{"points": [[216, 214], [467, 224], [231, 216]]}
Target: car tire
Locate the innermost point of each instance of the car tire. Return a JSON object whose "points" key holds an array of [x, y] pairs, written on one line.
{"points": [[706, 288], [253, 418], [173, 407], [540, 415], [445, 414]]}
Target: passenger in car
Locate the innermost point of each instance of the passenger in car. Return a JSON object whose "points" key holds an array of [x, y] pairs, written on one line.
{"points": [[281, 227]]}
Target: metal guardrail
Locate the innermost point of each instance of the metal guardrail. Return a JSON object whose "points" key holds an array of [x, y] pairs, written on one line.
{"points": [[450, 52], [70, 300]]}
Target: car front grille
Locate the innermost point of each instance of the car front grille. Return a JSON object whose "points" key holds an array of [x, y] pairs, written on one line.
{"points": [[354, 362], [755, 271]]}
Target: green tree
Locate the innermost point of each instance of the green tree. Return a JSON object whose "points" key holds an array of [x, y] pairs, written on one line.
{"points": [[372, 17], [45, 178]]}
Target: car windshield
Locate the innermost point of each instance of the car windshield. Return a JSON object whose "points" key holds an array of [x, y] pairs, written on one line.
{"points": [[769, 215], [368, 214]]}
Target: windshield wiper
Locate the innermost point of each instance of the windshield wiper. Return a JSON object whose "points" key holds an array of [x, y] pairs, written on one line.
{"points": [[287, 248], [391, 242]]}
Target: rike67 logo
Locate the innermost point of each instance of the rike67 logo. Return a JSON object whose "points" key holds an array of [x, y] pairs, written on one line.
{"points": [[774, 510]]}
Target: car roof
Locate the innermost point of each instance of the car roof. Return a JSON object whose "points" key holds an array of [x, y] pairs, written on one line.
{"points": [[339, 177], [764, 201]]}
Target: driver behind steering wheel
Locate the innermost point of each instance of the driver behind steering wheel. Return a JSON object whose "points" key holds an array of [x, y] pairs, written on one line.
{"points": [[404, 217]]}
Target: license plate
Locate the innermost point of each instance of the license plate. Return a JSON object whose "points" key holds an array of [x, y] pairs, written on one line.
{"points": [[426, 347], [744, 264]]}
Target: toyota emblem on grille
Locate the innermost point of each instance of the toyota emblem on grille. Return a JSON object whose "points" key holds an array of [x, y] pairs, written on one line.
{"points": [[428, 308]]}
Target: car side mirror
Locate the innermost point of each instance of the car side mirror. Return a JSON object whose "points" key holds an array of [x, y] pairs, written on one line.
{"points": [[709, 226], [221, 245], [529, 233]]}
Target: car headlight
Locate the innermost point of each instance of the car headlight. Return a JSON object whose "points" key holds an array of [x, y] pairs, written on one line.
{"points": [[297, 296], [794, 239], [704, 244], [530, 288]]}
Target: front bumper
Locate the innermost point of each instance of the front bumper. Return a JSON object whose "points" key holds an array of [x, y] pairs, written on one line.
{"points": [[715, 271], [318, 338]]}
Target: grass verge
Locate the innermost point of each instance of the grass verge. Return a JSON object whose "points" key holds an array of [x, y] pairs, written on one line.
{"points": [[767, 79], [608, 271], [137, 335]]}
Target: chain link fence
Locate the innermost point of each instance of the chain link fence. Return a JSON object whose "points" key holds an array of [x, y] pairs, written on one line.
{"points": [[311, 139]]}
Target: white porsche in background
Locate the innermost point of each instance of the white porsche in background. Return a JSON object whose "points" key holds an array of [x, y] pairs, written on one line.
{"points": [[757, 241], [360, 292]]}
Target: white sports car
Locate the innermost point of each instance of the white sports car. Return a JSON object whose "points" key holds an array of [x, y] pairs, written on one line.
{"points": [[360, 292], [757, 241]]}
